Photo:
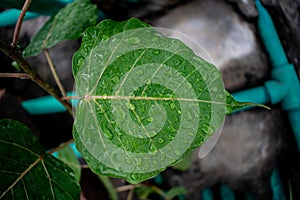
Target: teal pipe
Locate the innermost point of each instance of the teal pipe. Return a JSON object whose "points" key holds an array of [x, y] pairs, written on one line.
{"points": [[207, 194], [226, 192], [10, 17], [277, 189], [46, 105], [284, 87]]}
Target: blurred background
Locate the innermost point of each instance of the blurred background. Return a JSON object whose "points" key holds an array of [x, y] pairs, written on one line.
{"points": [[256, 156]]}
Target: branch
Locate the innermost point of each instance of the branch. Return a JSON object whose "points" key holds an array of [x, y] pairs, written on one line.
{"points": [[14, 75], [54, 73], [19, 23], [60, 146], [33, 75]]}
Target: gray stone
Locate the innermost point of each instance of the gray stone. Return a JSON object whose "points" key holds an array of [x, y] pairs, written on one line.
{"points": [[243, 158], [230, 41]]}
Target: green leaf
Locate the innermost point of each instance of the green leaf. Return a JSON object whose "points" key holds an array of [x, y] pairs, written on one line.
{"points": [[67, 24], [113, 195], [185, 163], [175, 191], [27, 171], [146, 100], [233, 105], [45, 7], [68, 156]]}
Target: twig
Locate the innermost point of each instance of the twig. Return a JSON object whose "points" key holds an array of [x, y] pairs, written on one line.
{"points": [[33, 75], [128, 187], [14, 75], [54, 73], [130, 195], [19, 23], [61, 146]]}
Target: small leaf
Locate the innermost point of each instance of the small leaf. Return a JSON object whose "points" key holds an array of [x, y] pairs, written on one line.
{"points": [[234, 105], [146, 100], [45, 7], [175, 191], [185, 163], [68, 156], [67, 24], [113, 195], [27, 172]]}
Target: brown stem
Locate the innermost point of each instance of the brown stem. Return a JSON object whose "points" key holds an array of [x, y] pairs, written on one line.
{"points": [[33, 75], [60, 146], [14, 75], [19, 23], [127, 187], [130, 195], [54, 73]]}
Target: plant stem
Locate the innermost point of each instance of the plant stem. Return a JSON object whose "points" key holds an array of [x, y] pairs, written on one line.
{"points": [[33, 75], [61, 146], [130, 195], [19, 23], [54, 73], [128, 187], [14, 75]]}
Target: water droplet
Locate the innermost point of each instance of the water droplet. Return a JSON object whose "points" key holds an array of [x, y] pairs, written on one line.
{"points": [[130, 106], [115, 79], [127, 160], [172, 105], [133, 40], [153, 150], [177, 152], [134, 177], [107, 133], [150, 119], [156, 52], [138, 161], [146, 166], [161, 140]]}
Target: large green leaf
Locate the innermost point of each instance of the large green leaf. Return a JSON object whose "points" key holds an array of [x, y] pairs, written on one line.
{"points": [[41, 6], [146, 100], [27, 171], [67, 24], [68, 156]]}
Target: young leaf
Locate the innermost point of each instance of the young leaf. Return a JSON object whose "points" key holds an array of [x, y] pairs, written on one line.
{"points": [[175, 191], [68, 156], [27, 172], [67, 24], [146, 100]]}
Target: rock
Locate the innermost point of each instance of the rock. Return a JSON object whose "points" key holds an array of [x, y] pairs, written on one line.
{"points": [[243, 158], [230, 41]]}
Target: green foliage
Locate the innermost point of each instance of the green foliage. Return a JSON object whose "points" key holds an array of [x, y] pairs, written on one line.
{"points": [[27, 171], [68, 156], [113, 195], [146, 100], [67, 24], [176, 191]]}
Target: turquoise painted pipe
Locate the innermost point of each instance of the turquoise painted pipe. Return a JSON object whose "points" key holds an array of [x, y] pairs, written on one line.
{"points": [[277, 189], [46, 105], [207, 194], [10, 17], [226, 192], [284, 87]]}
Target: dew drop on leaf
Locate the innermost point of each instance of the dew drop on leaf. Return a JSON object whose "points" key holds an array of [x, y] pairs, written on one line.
{"points": [[161, 140], [133, 40]]}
